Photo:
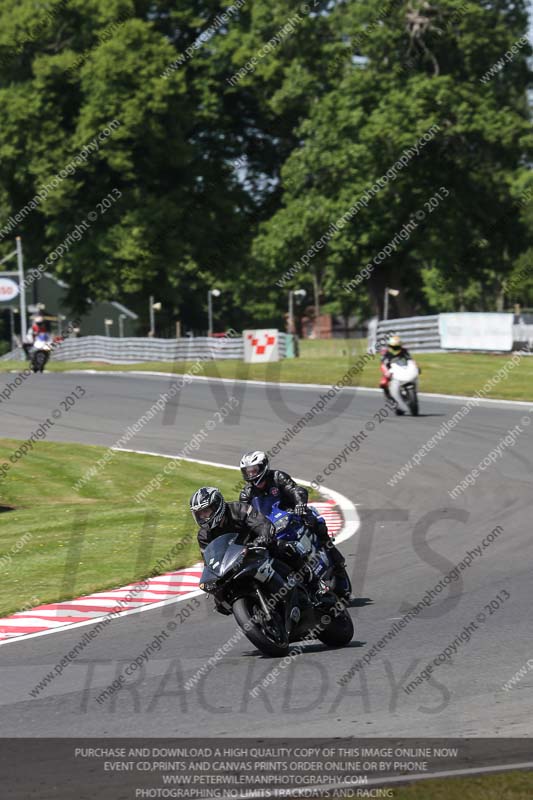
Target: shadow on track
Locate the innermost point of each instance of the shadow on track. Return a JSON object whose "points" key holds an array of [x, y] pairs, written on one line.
{"points": [[360, 602], [308, 649]]}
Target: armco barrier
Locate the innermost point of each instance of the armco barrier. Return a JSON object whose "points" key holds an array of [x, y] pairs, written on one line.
{"points": [[523, 336], [15, 355], [423, 334], [137, 350], [418, 333]]}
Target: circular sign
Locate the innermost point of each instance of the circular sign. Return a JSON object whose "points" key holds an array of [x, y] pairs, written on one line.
{"points": [[8, 290]]}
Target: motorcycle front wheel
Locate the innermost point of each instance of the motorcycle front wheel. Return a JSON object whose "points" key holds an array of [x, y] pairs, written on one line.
{"points": [[269, 636], [412, 400], [39, 361], [339, 632]]}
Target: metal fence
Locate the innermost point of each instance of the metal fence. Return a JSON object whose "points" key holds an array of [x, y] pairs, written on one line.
{"points": [[137, 350], [423, 334], [523, 336], [418, 333], [14, 355]]}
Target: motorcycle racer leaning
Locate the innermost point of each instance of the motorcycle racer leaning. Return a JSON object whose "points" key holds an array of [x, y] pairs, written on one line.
{"points": [[262, 481], [215, 516], [394, 350]]}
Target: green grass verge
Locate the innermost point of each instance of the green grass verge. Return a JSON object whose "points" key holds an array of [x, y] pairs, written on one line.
{"points": [[503, 786], [326, 362], [60, 543]]}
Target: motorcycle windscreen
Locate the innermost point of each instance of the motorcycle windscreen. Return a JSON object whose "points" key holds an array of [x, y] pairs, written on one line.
{"points": [[283, 521], [266, 505], [404, 373], [220, 556]]}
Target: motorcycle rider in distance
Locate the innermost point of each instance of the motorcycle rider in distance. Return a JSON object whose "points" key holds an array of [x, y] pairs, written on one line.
{"points": [[39, 352], [394, 350], [40, 325], [261, 481], [215, 516]]}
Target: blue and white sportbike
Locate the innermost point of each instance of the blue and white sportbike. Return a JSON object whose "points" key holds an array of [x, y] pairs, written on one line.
{"points": [[294, 529]]}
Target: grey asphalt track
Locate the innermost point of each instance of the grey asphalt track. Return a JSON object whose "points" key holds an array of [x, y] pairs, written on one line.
{"points": [[411, 535]]}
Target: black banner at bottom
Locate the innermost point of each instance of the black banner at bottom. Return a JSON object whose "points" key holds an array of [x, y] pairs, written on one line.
{"points": [[240, 769]]}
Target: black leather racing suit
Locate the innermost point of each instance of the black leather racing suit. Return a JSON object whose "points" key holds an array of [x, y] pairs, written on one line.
{"points": [[250, 524], [239, 518], [280, 486]]}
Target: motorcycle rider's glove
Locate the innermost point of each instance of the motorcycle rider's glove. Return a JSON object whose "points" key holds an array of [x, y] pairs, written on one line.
{"points": [[264, 541], [301, 509]]}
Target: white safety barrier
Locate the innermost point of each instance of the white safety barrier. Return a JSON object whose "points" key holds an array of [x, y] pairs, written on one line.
{"points": [[15, 355], [477, 331], [138, 350], [523, 336], [489, 332], [417, 333]]}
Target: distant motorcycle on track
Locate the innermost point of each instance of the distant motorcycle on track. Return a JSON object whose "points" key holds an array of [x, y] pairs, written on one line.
{"points": [[40, 352], [405, 372]]}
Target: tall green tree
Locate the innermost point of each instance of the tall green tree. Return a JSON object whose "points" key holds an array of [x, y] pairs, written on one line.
{"points": [[178, 209], [246, 128], [402, 69]]}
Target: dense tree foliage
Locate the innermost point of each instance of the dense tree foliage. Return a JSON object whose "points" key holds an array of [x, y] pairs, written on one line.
{"points": [[245, 131]]}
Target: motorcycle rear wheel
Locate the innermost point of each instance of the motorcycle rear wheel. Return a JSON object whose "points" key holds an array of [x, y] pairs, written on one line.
{"points": [[267, 635]]}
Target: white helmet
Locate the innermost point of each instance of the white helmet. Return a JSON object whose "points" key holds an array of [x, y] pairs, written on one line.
{"points": [[254, 466]]}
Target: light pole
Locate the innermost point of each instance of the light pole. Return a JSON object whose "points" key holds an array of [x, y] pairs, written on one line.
{"points": [[210, 294], [20, 263], [392, 293], [153, 308], [292, 294], [22, 286], [60, 320], [12, 324], [121, 319]]}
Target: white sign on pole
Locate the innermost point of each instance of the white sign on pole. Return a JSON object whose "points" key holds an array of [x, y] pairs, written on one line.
{"points": [[476, 331], [8, 290], [261, 346]]}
